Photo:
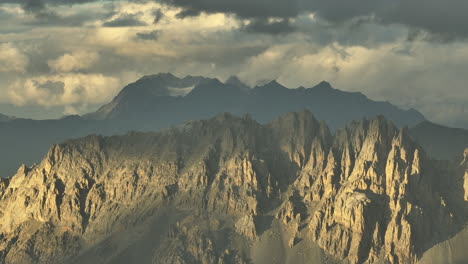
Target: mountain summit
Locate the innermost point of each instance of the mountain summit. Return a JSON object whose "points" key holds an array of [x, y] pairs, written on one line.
{"points": [[235, 81], [323, 85]]}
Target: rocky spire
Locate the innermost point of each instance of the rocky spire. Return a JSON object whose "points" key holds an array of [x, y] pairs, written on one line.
{"points": [[464, 165], [218, 190]]}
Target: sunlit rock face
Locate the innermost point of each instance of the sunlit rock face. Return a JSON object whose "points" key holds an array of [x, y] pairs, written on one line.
{"points": [[464, 165], [227, 190]]}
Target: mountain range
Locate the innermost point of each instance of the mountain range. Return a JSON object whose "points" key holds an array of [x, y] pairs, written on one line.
{"points": [[4, 118], [232, 190], [160, 101], [159, 96]]}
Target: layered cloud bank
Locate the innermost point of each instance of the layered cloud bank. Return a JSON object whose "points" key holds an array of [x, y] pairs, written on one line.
{"points": [[73, 55]]}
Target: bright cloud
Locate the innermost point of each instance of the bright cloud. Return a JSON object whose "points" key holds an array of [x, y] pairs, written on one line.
{"points": [[64, 89], [11, 59], [75, 61]]}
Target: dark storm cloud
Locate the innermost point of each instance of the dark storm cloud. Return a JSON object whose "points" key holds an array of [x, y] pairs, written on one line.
{"points": [[126, 20], [40, 11], [54, 88], [242, 8], [44, 13], [40, 7], [334, 10], [33, 6], [188, 13], [158, 15], [148, 35], [443, 18]]}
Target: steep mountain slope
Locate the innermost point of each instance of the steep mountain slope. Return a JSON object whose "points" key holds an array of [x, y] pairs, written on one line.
{"points": [[440, 141], [147, 93], [454, 249], [230, 190], [160, 101]]}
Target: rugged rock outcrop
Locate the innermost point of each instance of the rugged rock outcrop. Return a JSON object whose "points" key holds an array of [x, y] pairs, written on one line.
{"points": [[215, 191], [464, 165]]}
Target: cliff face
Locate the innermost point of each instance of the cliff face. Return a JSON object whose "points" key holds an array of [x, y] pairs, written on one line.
{"points": [[464, 165], [221, 190]]}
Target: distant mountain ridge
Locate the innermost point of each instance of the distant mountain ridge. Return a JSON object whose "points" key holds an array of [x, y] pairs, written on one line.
{"points": [[151, 96], [4, 118], [163, 100], [441, 141]]}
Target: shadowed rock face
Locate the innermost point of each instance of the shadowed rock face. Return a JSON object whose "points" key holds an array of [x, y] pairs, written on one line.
{"points": [[227, 190]]}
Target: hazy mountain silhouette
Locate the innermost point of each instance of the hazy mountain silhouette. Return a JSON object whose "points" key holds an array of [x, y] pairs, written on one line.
{"points": [[26, 141], [440, 141], [163, 100], [4, 118], [151, 98]]}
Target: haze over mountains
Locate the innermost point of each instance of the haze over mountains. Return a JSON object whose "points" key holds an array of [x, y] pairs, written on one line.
{"points": [[440, 141], [153, 97], [230, 190], [163, 100]]}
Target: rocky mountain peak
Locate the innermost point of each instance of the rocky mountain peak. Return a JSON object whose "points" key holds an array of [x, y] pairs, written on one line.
{"points": [[274, 83], [163, 76], [271, 86], [235, 81], [211, 83], [324, 85], [220, 189]]}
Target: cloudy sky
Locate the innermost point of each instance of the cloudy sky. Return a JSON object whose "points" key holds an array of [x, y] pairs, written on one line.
{"points": [[62, 57]]}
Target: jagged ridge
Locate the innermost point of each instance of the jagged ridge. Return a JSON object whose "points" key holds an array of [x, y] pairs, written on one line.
{"points": [[212, 191]]}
